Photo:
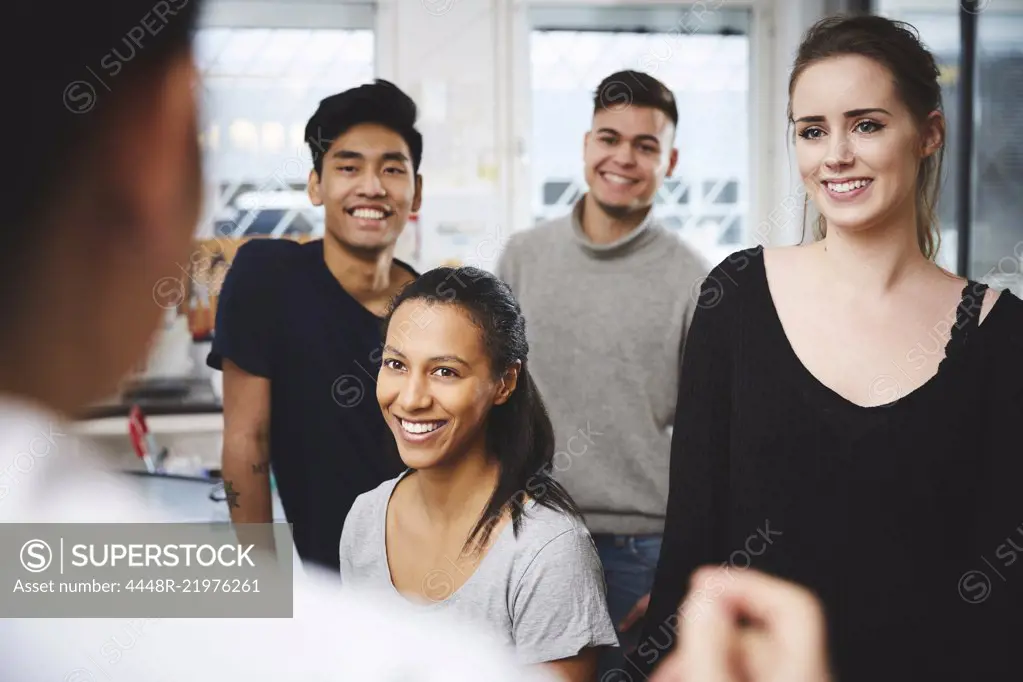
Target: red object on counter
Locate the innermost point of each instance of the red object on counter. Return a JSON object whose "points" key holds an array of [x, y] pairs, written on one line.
{"points": [[140, 439]]}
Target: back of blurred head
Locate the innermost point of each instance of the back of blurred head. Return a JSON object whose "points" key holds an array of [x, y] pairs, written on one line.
{"points": [[102, 193]]}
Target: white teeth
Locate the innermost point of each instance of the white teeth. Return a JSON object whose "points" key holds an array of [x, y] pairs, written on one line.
{"points": [[368, 213], [617, 179], [847, 186], [420, 427]]}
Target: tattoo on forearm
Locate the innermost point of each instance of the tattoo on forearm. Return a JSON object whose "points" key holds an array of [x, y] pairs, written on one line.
{"points": [[231, 495], [261, 468]]}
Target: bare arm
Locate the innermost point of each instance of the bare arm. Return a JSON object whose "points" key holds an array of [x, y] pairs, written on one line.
{"points": [[246, 455], [579, 668]]}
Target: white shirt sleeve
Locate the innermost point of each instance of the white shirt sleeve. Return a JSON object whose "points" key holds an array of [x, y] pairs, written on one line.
{"points": [[336, 634]]}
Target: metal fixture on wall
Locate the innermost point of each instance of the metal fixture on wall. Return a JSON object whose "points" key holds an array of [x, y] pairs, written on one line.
{"points": [[848, 7], [968, 10]]}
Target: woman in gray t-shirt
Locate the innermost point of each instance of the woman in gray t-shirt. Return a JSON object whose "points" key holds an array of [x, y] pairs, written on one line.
{"points": [[476, 525]]}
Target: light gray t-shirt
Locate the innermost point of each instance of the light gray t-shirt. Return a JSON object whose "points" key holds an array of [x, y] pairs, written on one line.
{"points": [[542, 592]]}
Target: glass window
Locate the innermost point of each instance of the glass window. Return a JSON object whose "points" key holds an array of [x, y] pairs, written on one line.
{"points": [[704, 60], [260, 86], [996, 253], [939, 30]]}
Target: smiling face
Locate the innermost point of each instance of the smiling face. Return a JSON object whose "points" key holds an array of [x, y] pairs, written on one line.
{"points": [[367, 188], [858, 147], [627, 154], [436, 384]]}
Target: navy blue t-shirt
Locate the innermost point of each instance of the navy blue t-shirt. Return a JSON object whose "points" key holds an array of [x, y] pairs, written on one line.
{"points": [[282, 315]]}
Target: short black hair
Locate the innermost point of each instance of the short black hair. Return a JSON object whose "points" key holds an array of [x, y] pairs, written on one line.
{"points": [[100, 54], [635, 88], [380, 102]]}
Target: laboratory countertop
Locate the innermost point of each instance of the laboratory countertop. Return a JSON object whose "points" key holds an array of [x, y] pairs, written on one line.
{"points": [[187, 500], [182, 397], [154, 408]]}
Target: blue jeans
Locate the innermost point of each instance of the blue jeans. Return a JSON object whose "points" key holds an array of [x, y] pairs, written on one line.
{"points": [[630, 562]]}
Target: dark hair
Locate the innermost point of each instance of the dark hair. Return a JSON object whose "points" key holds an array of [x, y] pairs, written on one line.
{"points": [[380, 102], [635, 88], [519, 431], [896, 46], [102, 58]]}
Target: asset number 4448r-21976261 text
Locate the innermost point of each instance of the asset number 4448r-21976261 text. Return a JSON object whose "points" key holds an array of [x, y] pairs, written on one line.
{"points": [[192, 585]]}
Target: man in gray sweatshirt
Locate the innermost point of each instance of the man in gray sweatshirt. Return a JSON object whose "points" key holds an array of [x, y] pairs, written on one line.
{"points": [[607, 294]]}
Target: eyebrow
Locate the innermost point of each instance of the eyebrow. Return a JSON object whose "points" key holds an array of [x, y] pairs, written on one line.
{"points": [[852, 113], [449, 358], [644, 136], [438, 358], [386, 156]]}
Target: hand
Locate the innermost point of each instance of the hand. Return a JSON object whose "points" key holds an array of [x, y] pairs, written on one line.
{"points": [[744, 626], [636, 613]]}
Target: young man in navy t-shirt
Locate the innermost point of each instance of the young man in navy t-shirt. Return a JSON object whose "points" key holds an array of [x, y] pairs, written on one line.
{"points": [[298, 327]]}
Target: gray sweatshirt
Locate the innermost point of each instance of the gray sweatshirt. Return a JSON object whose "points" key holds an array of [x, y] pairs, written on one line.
{"points": [[606, 327]]}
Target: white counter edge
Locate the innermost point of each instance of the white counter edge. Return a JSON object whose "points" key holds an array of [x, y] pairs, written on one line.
{"points": [[177, 423]]}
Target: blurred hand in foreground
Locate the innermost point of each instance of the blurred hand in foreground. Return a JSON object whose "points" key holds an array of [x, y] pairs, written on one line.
{"points": [[744, 626]]}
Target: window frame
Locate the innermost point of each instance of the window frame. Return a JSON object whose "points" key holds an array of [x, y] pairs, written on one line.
{"points": [[308, 14]]}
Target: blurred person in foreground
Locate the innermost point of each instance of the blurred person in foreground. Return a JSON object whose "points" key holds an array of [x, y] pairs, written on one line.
{"points": [[298, 327], [606, 292], [103, 204]]}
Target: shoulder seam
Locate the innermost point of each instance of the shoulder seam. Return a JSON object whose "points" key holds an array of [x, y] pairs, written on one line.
{"points": [[532, 561]]}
